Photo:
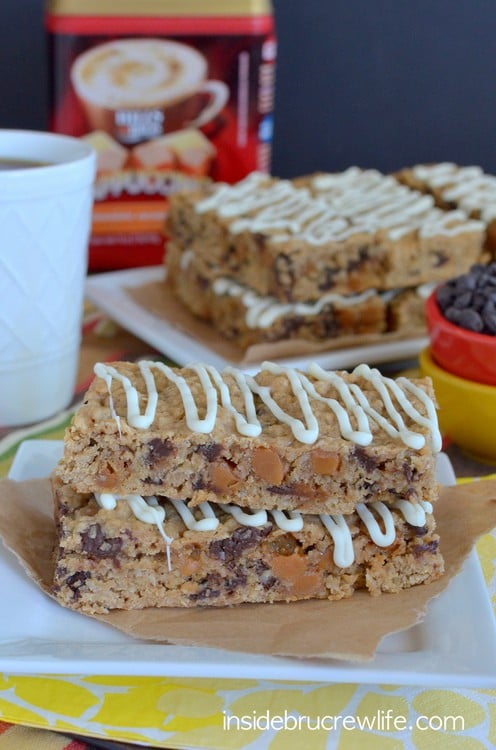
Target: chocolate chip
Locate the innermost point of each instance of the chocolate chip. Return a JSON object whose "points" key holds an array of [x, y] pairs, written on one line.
{"points": [[420, 549], [234, 582], [214, 584], [268, 581], [489, 319], [444, 296], [467, 282], [210, 588], [471, 320], [202, 282], [210, 451], [463, 300], [96, 544], [229, 256], [289, 327], [368, 486], [159, 448], [452, 314], [328, 325], [440, 258], [479, 299], [409, 471], [356, 263], [469, 301], [364, 460], [77, 581], [417, 530], [259, 239], [264, 574], [327, 281], [282, 489], [231, 548], [489, 305]]}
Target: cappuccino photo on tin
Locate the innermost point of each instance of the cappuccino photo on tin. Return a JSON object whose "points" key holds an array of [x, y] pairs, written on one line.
{"points": [[168, 101]]}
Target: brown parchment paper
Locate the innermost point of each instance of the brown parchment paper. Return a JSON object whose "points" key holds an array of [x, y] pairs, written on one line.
{"points": [[158, 299], [348, 629]]}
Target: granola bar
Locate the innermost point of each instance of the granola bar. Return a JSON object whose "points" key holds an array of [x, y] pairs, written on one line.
{"points": [[129, 552], [284, 439], [247, 318], [344, 233], [468, 189]]}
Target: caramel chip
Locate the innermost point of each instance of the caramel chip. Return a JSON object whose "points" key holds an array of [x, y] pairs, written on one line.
{"points": [[223, 477], [267, 464], [324, 462]]}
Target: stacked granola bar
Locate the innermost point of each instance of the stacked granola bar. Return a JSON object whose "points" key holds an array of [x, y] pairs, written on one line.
{"points": [[189, 487], [319, 257], [467, 189]]}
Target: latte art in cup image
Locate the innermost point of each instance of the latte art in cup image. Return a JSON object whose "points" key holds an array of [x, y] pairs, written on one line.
{"points": [[138, 89]]}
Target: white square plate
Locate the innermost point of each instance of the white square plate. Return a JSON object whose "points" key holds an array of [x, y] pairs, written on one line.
{"points": [[454, 646], [108, 292]]}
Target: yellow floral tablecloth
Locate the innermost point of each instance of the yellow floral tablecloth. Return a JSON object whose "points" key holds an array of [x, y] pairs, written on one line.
{"points": [[194, 713]]}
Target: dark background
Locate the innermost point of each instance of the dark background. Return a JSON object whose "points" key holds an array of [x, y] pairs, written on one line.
{"points": [[377, 83]]}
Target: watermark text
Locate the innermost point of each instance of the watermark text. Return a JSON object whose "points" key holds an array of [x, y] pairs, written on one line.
{"points": [[381, 721]]}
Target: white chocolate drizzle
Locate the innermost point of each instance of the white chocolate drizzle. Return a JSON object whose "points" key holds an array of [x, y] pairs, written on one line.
{"points": [[209, 522], [352, 404], [257, 518], [332, 208], [375, 201], [337, 527], [293, 523], [249, 425], [306, 431], [134, 416], [378, 536], [148, 510], [261, 311], [413, 514], [471, 189]]}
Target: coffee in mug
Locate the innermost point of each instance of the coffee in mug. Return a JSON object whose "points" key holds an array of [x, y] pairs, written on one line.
{"points": [[8, 163], [168, 94]]}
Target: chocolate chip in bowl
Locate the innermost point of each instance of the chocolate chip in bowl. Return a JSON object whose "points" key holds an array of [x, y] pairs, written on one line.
{"points": [[461, 359], [469, 301], [461, 320]]}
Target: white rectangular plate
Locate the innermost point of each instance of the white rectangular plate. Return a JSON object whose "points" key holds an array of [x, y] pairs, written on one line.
{"points": [[455, 645], [108, 292]]}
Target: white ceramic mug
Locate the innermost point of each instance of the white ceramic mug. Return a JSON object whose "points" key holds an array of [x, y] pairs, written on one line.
{"points": [[45, 221]]}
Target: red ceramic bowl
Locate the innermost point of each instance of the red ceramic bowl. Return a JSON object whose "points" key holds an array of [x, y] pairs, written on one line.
{"points": [[464, 353]]}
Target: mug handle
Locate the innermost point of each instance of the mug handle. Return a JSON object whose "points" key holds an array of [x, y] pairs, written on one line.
{"points": [[219, 93]]}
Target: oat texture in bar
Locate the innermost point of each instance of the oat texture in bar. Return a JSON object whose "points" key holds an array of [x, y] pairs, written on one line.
{"points": [[314, 441], [344, 233], [129, 552]]}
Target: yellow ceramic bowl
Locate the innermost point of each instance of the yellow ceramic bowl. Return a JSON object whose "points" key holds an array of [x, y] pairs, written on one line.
{"points": [[467, 410]]}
